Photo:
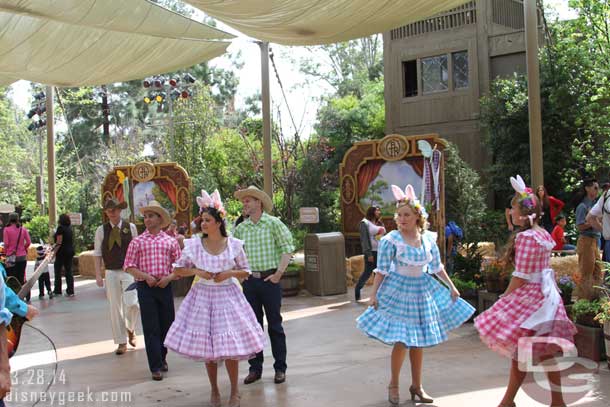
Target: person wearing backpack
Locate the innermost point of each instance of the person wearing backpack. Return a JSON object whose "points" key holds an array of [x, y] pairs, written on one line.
{"points": [[16, 243], [601, 211]]}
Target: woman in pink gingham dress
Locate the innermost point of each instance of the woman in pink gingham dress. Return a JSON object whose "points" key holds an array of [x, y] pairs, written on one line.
{"points": [[215, 323], [531, 305]]}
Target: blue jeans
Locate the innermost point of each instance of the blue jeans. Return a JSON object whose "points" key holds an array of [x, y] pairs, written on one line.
{"points": [[568, 247], [606, 253], [368, 269], [265, 298], [157, 312]]}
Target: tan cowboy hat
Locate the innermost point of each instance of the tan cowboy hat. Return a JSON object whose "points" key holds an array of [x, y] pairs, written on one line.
{"points": [[112, 203], [256, 193], [154, 206]]}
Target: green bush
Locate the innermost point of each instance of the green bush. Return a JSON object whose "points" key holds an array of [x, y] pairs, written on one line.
{"points": [[583, 312], [298, 238], [38, 227], [468, 267], [462, 285]]}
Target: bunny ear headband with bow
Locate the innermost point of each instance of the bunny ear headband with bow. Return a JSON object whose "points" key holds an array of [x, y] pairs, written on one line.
{"points": [[526, 197], [211, 201], [408, 197]]}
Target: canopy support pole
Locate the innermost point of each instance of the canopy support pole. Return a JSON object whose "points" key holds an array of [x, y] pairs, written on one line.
{"points": [[266, 100]]}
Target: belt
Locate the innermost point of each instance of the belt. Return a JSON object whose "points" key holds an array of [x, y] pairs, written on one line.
{"points": [[263, 274]]}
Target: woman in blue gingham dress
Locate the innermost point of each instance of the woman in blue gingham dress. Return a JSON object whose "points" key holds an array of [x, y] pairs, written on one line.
{"points": [[410, 309]]}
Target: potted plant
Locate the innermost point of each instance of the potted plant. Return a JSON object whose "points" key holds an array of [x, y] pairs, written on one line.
{"points": [[603, 316], [590, 337], [496, 276], [566, 286]]}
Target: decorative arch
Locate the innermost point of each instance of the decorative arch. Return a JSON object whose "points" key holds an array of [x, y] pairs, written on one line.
{"points": [[170, 183], [362, 164]]}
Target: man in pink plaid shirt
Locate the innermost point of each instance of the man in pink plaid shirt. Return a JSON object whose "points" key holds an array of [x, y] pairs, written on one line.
{"points": [[149, 259]]}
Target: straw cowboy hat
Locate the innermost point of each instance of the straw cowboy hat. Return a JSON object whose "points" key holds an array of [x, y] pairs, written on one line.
{"points": [[113, 203], [255, 193], [154, 206]]}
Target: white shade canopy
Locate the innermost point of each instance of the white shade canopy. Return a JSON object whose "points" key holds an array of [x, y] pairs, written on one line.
{"points": [[92, 42], [310, 22]]}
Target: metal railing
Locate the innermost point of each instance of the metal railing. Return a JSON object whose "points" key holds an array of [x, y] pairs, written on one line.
{"points": [[463, 15]]}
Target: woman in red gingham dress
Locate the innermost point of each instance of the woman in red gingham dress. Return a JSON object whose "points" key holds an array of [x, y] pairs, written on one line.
{"points": [[215, 323], [531, 305]]}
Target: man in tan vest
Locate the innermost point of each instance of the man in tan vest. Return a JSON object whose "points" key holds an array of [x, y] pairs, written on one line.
{"points": [[111, 242]]}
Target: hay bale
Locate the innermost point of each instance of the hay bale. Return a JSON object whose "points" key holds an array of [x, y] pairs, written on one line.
{"points": [[564, 266], [485, 249], [31, 255], [86, 264], [354, 268]]}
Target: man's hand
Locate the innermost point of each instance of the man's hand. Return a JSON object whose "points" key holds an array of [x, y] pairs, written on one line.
{"points": [[99, 281], [222, 276], [511, 227], [275, 277], [151, 281], [165, 281], [32, 313], [371, 259]]}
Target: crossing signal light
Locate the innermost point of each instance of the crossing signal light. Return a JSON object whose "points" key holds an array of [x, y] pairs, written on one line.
{"points": [[184, 94], [159, 81], [173, 82], [147, 82], [40, 96]]}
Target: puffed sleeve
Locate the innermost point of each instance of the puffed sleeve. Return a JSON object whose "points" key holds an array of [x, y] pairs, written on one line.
{"points": [[186, 259], [435, 264], [386, 252], [241, 261]]}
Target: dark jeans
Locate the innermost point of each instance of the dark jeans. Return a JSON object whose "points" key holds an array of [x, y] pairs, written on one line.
{"points": [[64, 261], [157, 312], [18, 271], [606, 251], [368, 269], [267, 296], [44, 281]]}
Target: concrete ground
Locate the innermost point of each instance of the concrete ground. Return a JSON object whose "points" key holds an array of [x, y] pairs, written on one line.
{"points": [[330, 363]]}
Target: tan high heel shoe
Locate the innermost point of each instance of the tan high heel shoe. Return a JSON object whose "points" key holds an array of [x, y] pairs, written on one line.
{"points": [[423, 398], [393, 396], [215, 400], [234, 401]]}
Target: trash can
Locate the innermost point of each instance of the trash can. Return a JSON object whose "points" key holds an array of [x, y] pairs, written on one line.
{"points": [[325, 263]]}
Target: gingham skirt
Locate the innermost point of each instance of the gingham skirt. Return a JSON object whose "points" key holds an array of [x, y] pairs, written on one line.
{"points": [[215, 323], [416, 311], [500, 326]]}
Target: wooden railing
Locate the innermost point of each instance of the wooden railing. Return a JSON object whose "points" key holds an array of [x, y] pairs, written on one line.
{"points": [[508, 13], [456, 17]]}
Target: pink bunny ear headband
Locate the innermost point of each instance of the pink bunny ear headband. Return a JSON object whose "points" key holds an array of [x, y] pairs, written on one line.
{"points": [[408, 197], [211, 201], [526, 195]]}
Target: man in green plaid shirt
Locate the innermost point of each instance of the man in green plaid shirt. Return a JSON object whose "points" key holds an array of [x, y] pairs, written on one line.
{"points": [[269, 247]]}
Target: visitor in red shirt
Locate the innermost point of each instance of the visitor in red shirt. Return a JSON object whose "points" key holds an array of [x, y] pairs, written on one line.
{"points": [[558, 235]]}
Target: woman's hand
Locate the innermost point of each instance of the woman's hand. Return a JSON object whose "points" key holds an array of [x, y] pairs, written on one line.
{"points": [[455, 294], [373, 301], [165, 281], [206, 275], [222, 276], [183, 271], [151, 281]]}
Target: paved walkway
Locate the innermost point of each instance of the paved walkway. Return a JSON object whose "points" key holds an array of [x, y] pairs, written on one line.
{"points": [[330, 363]]}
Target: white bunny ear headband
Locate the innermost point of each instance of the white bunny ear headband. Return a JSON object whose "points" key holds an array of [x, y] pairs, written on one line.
{"points": [[408, 197], [211, 201], [526, 196]]}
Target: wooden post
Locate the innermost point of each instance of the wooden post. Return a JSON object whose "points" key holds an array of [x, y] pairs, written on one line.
{"points": [[266, 101], [51, 159], [533, 91]]}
